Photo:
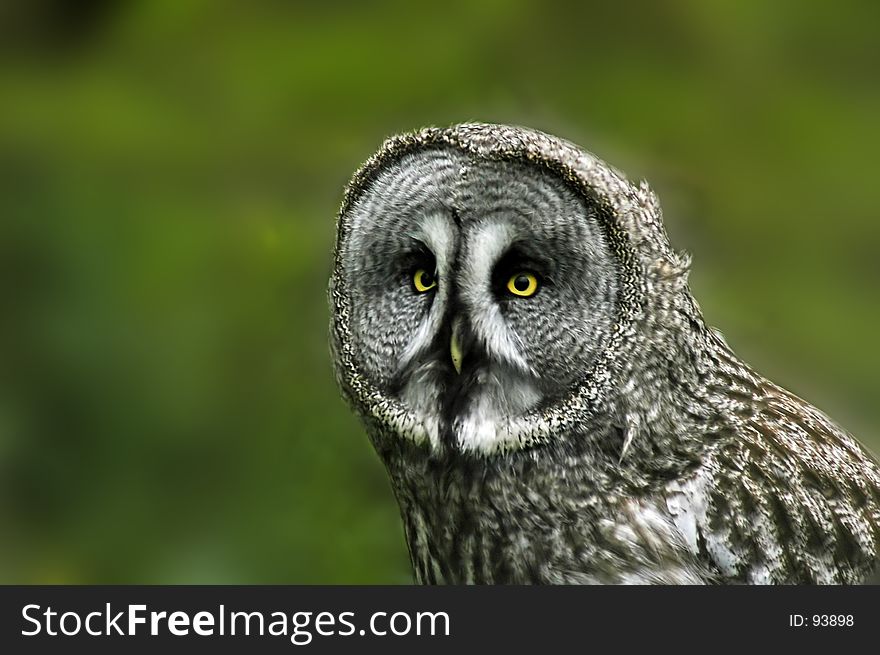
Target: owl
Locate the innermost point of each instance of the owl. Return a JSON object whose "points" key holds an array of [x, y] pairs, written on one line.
{"points": [[517, 335]]}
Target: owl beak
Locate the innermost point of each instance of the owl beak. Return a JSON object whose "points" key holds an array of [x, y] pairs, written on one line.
{"points": [[455, 345]]}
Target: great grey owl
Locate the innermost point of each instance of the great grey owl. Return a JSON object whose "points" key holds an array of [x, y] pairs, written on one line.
{"points": [[515, 331]]}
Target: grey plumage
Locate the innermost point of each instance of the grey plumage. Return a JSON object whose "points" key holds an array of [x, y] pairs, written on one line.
{"points": [[598, 431]]}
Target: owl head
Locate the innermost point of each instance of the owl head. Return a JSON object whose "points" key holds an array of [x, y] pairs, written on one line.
{"points": [[489, 282]]}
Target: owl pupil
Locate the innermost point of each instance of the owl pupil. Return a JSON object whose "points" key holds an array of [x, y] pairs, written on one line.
{"points": [[427, 279], [521, 283]]}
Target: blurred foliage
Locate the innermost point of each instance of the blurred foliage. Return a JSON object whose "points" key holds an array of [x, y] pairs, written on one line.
{"points": [[169, 175]]}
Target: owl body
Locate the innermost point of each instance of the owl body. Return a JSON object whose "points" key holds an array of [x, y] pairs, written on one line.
{"points": [[518, 336]]}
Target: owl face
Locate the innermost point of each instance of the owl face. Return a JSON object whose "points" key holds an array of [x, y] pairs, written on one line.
{"points": [[479, 291]]}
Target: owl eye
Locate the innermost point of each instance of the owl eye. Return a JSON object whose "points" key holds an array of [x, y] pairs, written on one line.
{"points": [[523, 284], [424, 280]]}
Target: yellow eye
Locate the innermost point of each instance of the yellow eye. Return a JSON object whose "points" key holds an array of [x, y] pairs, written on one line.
{"points": [[424, 280], [522, 284]]}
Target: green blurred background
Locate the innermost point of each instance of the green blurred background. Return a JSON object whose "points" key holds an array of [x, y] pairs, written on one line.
{"points": [[169, 175]]}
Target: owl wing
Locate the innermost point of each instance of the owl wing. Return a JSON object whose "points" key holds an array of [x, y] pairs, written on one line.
{"points": [[789, 497]]}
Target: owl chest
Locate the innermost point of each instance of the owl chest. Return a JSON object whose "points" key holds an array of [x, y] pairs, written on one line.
{"points": [[450, 546], [454, 542], [464, 529]]}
